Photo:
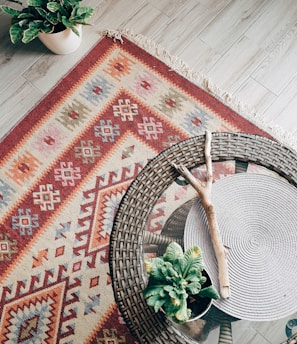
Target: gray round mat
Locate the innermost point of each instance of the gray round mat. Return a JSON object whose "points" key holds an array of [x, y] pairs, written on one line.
{"points": [[257, 216]]}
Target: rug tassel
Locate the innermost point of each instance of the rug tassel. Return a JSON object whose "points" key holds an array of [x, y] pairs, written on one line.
{"points": [[115, 35]]}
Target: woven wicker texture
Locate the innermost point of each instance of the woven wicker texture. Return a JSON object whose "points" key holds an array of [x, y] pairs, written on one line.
{"points": [[126, 244], [257, 219]]}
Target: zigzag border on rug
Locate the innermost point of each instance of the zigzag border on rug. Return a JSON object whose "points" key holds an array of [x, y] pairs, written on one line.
{"points": [[178, 65]]}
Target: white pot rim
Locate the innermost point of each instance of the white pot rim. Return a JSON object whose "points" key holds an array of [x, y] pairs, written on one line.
{"points": [[62, 42], [78, 27]]}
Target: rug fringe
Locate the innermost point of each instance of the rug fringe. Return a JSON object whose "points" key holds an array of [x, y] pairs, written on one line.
{"points": [[178, 65]]}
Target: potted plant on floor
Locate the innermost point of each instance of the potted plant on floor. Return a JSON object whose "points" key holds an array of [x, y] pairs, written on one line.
{"points": [[57, 23], [178, 284]]}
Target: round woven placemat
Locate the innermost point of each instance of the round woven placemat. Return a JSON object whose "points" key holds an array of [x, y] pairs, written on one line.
{"points": [[258, 223]]}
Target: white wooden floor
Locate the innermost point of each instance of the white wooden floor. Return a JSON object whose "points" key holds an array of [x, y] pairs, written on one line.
{"points": [[247, 48]]}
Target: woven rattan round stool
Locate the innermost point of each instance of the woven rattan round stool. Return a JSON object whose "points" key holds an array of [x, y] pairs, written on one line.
{"points": [[128, 233]]}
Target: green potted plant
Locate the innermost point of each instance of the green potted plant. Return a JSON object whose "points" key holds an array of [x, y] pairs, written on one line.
{"points": [[178, 284], [57, 19]]}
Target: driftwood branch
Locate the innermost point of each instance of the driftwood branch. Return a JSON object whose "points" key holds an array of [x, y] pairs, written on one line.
{"points": [[204, 191]]}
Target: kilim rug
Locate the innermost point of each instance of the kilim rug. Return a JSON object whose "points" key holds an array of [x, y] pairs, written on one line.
{"points": [[64, 170]]}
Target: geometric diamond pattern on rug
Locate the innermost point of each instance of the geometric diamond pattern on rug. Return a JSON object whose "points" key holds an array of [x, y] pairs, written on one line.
{"points": [[7, 247], [73, 115], [24, 222], [111, 336], [98, 211], [108, 333], [33, 318], [96, 90], [106, 206], [150, 128], [23, 168], [107, 131], [49, 140], [46, 197], [5, 193], [128, 152], [87, 152], [197, 119], [125, 110], [119, 66], [171, 102], [145, 84]]}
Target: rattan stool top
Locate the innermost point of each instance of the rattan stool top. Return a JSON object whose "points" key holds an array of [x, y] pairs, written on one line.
{"points": [[129, 230], [257, 219]]}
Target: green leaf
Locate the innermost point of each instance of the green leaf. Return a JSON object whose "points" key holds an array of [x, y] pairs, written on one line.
{"points": [[24, 15], [193, 288], [171, 306], [65, 10], [152, 289], [37, 3], [193, 255], [84, 12], [67, 22], [173, 252], [210, 292], [168, 272], [24, 23], [42, 12], [202, 280], [193, 261], [53, 6], [36, 24], [195, 275], [183, 313], [53, 18], [29, 35], [16, 33], [46, 29], [69, 3], [153, 267], [171, 291], [156, 302], [75, 30], [9, 10]]}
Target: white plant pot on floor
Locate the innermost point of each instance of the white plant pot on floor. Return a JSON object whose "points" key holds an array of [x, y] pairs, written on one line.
{"points": [[63, 42]]}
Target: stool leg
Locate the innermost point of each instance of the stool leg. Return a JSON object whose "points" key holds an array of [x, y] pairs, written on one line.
{"points": [[225, 336]]}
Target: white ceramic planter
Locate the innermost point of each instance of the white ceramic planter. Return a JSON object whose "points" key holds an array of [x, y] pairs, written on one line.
{"points": [[63, 42]]}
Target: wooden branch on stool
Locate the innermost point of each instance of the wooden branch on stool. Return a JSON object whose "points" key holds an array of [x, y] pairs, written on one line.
{"points": [[204, 191]]}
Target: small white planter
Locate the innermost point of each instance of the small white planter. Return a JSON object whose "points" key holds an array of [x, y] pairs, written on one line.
{"points": [[63, 42]]}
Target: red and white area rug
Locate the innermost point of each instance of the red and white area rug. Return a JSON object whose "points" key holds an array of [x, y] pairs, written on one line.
{"points": [[64, 169]]}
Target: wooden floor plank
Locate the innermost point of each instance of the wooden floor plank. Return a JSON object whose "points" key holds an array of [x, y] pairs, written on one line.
{"points": [[49, 69], [256, 95], [273, 24], [15, 101], [235, 67], [200, 56], [231, 23], [169, 7], [113, 13], [186, 25], [282, 111], [280, 67], [148, 21]]}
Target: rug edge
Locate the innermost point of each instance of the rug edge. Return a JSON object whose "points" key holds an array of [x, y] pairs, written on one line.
{"points": [[178, 65]]}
